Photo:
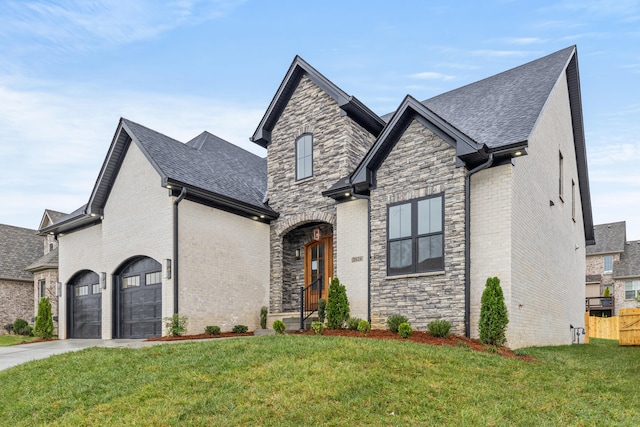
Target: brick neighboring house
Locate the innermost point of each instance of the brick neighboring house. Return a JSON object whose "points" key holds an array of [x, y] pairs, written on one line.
{"points": [[18, 247], [612, 263], [45, 269], [413, 211]]}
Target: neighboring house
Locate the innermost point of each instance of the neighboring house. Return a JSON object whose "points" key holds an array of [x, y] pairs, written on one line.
{"points": [[612, 263], [413, 211], [18, 247], [45, 269]]}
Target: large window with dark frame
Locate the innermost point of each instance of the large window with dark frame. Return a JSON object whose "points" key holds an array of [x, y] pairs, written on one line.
{"points": [[304, 156], [415, 236]]}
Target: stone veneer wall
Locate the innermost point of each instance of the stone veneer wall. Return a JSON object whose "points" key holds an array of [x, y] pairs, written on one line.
{"points": [[338, 145], [15, 301], [50, 277], [420, 164]]}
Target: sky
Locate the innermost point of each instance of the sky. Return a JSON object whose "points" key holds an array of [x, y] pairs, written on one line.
{"points": [[69, 69]]}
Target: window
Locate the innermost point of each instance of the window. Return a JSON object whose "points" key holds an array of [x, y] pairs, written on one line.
{"points": [[631, 289], [560, 176], [82, 290], [95, 288], [415, 236], [573, 200], [42, 285], [153, 278], [130, 282], [304, 156], [608, 263]]}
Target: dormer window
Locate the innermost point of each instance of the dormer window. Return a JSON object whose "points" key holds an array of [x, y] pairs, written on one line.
{"points": [[304, 156]]}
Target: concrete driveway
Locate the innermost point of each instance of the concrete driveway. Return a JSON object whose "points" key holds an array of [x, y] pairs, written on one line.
{"points": [[16, 354]]}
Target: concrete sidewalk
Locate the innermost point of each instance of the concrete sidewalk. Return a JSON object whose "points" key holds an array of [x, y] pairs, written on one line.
{"points": [[16, 354]]}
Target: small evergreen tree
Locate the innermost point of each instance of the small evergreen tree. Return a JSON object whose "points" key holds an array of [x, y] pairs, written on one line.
{"points": [[337, 305], [493, 314], [44, 321]]}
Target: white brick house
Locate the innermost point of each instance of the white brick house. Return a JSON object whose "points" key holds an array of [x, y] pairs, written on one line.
{"points": [[413, 211]]}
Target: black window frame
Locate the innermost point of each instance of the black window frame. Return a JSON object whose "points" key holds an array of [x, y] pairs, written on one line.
{"points": [[415, 268], [297, 144], [42, 288]]}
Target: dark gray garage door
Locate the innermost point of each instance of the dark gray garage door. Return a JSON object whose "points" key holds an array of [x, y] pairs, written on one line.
{"points": [[140, 299], [85, 301]]}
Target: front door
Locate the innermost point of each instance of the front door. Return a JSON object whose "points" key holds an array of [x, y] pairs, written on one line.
{"points": [[318, 268]]}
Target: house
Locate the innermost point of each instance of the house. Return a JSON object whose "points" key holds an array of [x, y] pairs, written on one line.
{"points": [[612, 263], [45, 268], [412, 210], [18, 247]]}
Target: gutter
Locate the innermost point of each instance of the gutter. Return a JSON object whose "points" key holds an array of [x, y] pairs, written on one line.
{"points": [[181, 197], [467, 243]]}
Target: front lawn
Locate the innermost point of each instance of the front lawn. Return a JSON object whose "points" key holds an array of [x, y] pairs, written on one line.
{"points": [[14, 339], [335, 381]]}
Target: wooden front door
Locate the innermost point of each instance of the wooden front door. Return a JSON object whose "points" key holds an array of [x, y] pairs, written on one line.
{"points": [[318, 269]]}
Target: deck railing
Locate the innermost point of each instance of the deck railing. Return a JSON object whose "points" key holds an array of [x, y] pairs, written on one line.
{"points": [[600, 303], [309, 297]]}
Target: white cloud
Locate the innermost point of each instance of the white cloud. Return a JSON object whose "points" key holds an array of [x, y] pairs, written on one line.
{"points": [[431, 75], [525, 40], [500, 53]]}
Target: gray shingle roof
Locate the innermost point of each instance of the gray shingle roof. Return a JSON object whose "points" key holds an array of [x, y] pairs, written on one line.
{"points": [[50, 260], [55, 215], [629, 264], [206, 162], [610, 238], [502, 109], [18, 248]]}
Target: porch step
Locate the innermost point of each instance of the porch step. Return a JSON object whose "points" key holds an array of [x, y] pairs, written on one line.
{"points": [[293, 323]]}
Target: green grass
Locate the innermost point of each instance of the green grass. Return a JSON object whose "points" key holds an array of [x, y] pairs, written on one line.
{"points": [[328, 381], [14, 339]]}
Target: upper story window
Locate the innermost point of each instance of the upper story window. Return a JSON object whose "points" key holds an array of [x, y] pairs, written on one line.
{"points": [[608, 264], [415, 236], [304, 156]]}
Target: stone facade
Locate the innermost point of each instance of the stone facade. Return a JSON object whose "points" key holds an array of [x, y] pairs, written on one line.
{"points": [[420, 297], [50, 277], [15, 301], [338, 145]]}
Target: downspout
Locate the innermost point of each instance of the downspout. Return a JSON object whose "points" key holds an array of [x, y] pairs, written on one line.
{"points": [[182, 195], [467, 243]]}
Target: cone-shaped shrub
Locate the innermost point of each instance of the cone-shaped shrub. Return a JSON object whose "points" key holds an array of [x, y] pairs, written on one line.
{"points": [[337, 305], [493, 314], [44, 321]]}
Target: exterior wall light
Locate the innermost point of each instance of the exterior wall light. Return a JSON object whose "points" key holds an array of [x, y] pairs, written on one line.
{"points": [[103, 280], [297, 253], [58, 289], [167, 268]]}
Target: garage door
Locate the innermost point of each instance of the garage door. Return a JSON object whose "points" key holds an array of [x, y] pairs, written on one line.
{"points": [[140, 299], [85, 302]]}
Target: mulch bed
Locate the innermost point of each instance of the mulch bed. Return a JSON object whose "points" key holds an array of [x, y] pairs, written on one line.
{"points": [[380, 334]]}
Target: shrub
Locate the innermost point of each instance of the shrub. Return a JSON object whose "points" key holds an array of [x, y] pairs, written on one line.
{"points": [[263, 317], [239, 329], [212, 330], [279, 326], [27, 331], [439, 328], [493, 314], [176, 325], [8, 327], [491, 349], [19, 325], [44, 321], [352, 323], [404, 329], [322, 309], [337, 305], [394, 321], [607, 292], [364, 326], [318, 327]]}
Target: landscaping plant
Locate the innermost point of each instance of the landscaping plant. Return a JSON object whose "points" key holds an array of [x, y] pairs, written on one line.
{"points": [[279, 326], [212, 330], [176, 325], [364, 327], [318, 327], [239, 329], [44, 321], [322, 309], [404, 330], [337, 305], [8, 327], [439, 328], [21, 327], [263, 317], [493, 314], [352, 323], [394, 321]]}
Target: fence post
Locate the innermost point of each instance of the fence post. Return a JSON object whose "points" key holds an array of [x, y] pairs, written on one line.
{"points": [[301, 308]]}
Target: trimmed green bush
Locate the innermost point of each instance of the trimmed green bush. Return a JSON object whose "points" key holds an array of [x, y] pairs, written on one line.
{"points": [[322, 309], [264, 311], [607, 292], [364, 327], [493, 314], [239, 329], [394, 321], [337, 305], [318, 327], [404, 330], [212, 330], [44, 321], [19, 325], [176, 325], [279, 326], [352, 323], [439, 328], [8, 327]]}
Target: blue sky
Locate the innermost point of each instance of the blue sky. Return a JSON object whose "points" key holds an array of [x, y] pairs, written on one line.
{"points": [[70, 69]]}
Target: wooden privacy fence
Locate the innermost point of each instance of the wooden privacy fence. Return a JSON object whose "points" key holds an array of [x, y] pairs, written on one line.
{"points": [[625, 328]]}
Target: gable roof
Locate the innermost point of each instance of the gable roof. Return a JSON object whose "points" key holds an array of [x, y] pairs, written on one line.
{"points": [[18, 247], [629, 264], [354, 109], [610, 238], [48, 261]]}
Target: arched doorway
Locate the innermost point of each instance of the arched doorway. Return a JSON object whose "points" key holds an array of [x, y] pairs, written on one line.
{"points": [[84, 297], [138, 299]]}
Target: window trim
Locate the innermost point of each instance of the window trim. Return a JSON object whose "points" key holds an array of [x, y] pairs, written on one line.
{"points": [[42, 288], [298, 139], [604, 264], [635, 287], [414, 237]]}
